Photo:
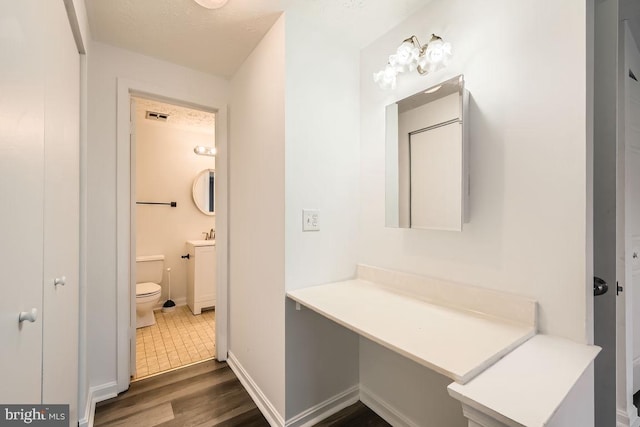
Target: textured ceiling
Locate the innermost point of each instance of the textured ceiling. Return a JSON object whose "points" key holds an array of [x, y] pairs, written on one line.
{"points": [[218, 41], [181, 31], [180, 117]]}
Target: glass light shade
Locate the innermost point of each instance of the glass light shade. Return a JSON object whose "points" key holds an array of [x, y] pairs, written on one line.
{"points": [[386, 78], [436, 56], [410, 55], [205, 151], [406, 56], [211, 4]]}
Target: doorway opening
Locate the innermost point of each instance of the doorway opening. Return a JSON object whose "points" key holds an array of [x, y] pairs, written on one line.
{"points": [[126, 206], [173, 234]]}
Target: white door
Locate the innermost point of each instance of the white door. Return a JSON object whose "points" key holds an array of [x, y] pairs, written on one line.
{"points": [[39, 224], [61, 211], [628, 349], [21, 197], [632, 218]]}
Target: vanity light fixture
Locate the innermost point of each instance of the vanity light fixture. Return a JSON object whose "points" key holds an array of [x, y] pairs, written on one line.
{"points": [[205, 151], [410, 56], [211, 4]]}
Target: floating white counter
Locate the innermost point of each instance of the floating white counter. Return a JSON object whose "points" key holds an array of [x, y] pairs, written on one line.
{"points": [[418, 318], [529, 386], [482, 339]]}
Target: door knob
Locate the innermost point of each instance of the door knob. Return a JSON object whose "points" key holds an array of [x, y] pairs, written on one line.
{"points": [[600, 287], [60, 281], [28, 315]]}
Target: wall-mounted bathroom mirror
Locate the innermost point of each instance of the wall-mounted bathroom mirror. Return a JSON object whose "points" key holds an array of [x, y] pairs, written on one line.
{"points": [[204, 191], [426, 165]]}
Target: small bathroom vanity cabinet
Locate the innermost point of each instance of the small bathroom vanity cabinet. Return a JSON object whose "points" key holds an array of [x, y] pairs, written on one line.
{"points": [[201, 275]]}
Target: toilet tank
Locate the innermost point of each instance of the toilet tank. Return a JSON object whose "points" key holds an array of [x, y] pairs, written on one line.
{"points": [[149, 268]]}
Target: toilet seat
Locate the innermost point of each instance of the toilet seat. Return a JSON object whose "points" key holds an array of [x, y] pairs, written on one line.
{"points": [[147, 289]]}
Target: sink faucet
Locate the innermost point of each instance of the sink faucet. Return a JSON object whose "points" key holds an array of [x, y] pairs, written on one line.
{"points": [[211, 235]]}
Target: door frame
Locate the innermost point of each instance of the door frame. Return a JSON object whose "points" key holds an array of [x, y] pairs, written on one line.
{"points": [[125, 259], [627, 413]]}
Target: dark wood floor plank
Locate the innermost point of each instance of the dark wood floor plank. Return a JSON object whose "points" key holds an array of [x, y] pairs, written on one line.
{"points": [[214, 417], [148, 384], [148, 418], [203, 395], [126, 407], [355, 415], [252, 418], [168, 392], [217, 403]]}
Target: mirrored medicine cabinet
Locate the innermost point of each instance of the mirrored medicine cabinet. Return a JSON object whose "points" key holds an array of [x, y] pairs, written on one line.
{"points": [[426, 159]]}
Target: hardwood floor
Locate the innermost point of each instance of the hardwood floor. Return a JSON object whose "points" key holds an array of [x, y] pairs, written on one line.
{"points": [[205, 394], [355, 415]]}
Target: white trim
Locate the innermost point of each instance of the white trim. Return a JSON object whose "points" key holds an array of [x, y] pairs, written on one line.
{"points": [[384, 409], [125, 294], [262, 402], [124, 317], [624, 420], [83, 381], [222, 233], [627, 413], [95, 395], [323, 410]]}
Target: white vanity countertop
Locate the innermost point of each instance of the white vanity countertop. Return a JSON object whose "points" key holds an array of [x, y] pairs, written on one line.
{"points": [[528, 385], [201, 242], [456, 343]]}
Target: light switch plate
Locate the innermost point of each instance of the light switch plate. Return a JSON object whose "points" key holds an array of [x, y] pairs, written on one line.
{"points": [[310, 220]]}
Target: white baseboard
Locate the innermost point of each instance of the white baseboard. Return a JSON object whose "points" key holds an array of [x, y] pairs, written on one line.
{"points": [[97, 394], [266, 407], [325, 409], [623, 419], [384, 409]]}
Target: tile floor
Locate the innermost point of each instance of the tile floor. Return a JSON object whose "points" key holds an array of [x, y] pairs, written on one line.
{"points": [[177, 339]]}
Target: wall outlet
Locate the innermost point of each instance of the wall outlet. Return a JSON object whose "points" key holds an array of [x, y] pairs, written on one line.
{"points": [[310, 220]]}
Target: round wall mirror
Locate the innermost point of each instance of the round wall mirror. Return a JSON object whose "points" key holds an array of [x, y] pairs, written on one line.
{"points": [[204, 191]]}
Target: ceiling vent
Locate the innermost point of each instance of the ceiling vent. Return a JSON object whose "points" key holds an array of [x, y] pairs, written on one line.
{"points": [[161, 117]]}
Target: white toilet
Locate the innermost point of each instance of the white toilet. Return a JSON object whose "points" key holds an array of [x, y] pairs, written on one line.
{"points": [[148, 276]]}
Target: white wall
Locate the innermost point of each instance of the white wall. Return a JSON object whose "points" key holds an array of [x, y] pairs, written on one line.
{"points": [[527, 143], [425, 402], [322, 161], [106, 64], [165, 169], [256, 212], [524, 65]]}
